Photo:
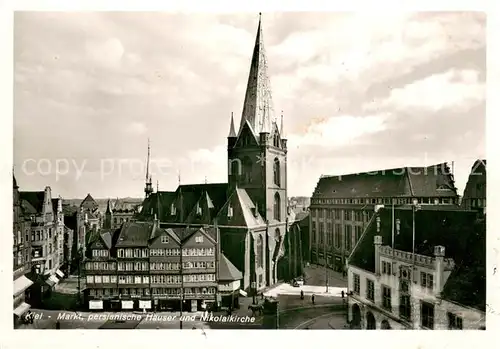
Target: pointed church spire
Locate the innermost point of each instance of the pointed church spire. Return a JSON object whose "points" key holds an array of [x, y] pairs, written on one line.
{"points": [[258, 106], [232, 132], [108, 207], [148, 189]]}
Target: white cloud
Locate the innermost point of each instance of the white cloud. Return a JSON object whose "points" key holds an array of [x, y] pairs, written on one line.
{"points": [[339, 130], [137, 128], [450, 90], [108, 53]]}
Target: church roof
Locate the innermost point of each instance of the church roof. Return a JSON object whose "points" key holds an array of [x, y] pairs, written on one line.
{"points": [[242, 208], [227, 270], [89, 203], [432, 181], [459, 231], [134, 234], [258, 105], [32, 201], [476, 184]]}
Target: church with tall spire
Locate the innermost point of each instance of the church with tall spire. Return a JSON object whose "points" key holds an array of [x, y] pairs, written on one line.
{"points": [[250, 210]]}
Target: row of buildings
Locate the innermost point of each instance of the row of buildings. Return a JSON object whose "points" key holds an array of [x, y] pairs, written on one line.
{"points": [[42, 246], [413, 250], [141, 265]]}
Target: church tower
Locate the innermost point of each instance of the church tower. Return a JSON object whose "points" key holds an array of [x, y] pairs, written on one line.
{"points": [[108, 217], [257, 153], [148, 189]]}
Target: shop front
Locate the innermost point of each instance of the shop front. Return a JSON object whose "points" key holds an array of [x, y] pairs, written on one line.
{"points": [[96, 305], [145, 305]]}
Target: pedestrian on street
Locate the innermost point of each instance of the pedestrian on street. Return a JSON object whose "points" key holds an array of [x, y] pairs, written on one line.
{"points": [[58, 325], [342, 294], [312, 298], [301, 294]]}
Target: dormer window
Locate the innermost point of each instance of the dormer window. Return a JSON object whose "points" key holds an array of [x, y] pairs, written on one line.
{"points": [[173, 210], [229, 211], [164, 239], [199, 211], [199, 239]]}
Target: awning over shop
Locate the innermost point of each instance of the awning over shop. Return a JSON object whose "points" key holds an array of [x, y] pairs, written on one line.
{"points": [[95, 305], [60, 273], [52, 280], [21, 309], [243, 293], [127, 304], [145, 304], [21, 284]]}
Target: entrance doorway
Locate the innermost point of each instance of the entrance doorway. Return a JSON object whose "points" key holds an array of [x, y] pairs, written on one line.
{"points": [[370, 321], [356, 317]]}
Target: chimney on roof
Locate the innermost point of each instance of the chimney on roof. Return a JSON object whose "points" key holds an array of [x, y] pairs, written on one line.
{"points": [[439, 252], [377, 241]]}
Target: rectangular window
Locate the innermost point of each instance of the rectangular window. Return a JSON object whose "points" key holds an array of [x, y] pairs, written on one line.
{"points": [[370, 290], [454, 322], [427, 315], [405, 307], [112, 279], [356, 285], [98, 279], [105, 279], [348, 237], [386, 268], [130, 279], [386, 298], [164, 239], [358, 231], [138, 279], [121, 254], [427, 280], [338, 235], [145, 279], [144, 253], [347, 215], [337, 214], [129, 253], [199, 239], [90, 279]]}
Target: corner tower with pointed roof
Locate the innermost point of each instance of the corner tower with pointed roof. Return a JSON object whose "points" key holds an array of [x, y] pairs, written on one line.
{"points": [[257, 154]]}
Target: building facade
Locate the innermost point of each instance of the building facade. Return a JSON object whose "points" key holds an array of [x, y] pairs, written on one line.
{"points": [[342, 206], [45, 241], [88, 221], [474, 197], [21, 257], [251, 209], [143, 266], [119, 212], [440, 283]]}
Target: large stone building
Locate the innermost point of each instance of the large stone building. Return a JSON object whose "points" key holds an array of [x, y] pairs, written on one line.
{"points": [[21, 257], [142, 266], [475, 191], [119, 212], [419, 269], [251, 209], [341, 206]]}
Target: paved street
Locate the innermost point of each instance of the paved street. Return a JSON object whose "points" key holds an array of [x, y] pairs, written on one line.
{"points": [[327, 312]]}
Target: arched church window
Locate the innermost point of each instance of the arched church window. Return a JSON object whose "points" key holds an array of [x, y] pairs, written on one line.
{"points": [[234, 165], [277, 172], [247, 169], [277, 207], [260, 251]]}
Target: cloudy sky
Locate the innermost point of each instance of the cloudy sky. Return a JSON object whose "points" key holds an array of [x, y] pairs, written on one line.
{"points": [[358, 93]]}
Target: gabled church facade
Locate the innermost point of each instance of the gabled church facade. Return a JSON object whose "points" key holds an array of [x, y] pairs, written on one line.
{"points": [[250, 210]]}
